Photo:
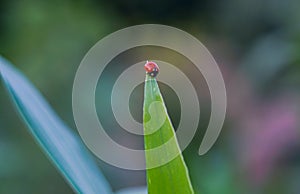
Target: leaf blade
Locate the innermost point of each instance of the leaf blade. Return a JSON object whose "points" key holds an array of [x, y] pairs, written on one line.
{"points": [[63, 147], [173, 176]]}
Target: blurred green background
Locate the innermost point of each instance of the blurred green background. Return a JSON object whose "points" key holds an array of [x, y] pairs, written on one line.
{"points": [[256, 44]]}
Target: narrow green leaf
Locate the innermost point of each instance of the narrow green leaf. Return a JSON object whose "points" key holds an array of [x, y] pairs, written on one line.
{"points": [[171, 177], [62, 146]]}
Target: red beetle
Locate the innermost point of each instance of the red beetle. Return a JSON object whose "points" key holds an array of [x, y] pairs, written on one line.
{"points": [[151, 68]]}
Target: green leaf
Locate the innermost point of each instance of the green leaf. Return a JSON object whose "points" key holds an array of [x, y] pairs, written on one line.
{"points": [[171, 177], [63, 147]]}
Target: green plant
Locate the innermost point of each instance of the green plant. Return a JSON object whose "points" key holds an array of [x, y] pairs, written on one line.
{"points": [[171, 177], [66, 150]]}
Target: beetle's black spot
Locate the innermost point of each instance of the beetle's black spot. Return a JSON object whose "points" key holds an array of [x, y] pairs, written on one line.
{"points": [[153, 73]]}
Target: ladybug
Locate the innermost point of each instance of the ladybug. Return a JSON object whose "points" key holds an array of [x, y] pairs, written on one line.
{"points": [[151, 68]]}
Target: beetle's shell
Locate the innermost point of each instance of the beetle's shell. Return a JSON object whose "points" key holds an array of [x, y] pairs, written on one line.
{"points": [[151, 68]]}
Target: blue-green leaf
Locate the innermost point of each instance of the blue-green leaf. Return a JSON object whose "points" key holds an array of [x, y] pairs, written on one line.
{"points": [[63, 147], [133, 190]]}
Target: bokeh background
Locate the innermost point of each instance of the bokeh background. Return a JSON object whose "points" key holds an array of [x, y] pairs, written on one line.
{"points": [[256, 44]]}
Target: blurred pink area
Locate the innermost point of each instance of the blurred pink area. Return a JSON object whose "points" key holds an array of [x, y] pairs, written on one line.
{"points": [[269, 132], [266, 128]]}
